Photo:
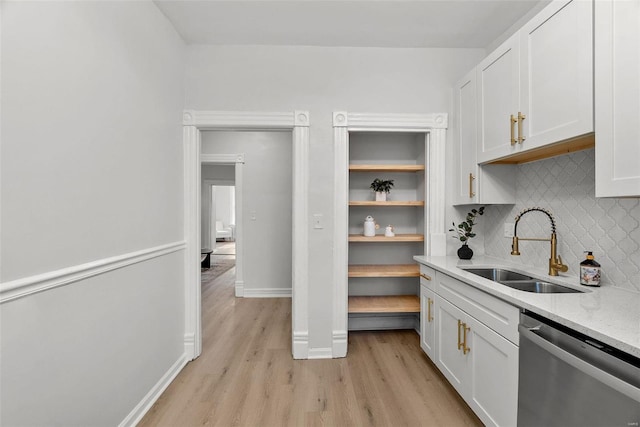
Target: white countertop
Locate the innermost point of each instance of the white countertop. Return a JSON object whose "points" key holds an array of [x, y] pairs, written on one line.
{"points": [[608, 313]]}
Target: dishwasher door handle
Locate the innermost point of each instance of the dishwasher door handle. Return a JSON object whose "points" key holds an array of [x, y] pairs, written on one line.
{"points": [[604, 377]]}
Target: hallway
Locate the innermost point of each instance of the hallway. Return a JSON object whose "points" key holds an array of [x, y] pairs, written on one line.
{"points": [[246, 375], [222, 259]]}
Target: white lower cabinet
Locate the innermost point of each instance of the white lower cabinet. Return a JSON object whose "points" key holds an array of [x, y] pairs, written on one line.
{"points": [[427, 321], [492, 380], [450, 358], [427, 310], [480, 363]]}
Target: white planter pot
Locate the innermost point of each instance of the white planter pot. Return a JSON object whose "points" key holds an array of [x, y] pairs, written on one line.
{"points": [[381, 196]]}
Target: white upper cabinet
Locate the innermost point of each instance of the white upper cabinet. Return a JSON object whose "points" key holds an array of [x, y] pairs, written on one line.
{"points": [[536, 89], [466, 135], [556, 73], [498, 99], [617, 86], [490, 184]]}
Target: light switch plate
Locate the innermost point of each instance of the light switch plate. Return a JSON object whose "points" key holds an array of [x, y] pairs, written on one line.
{"points": [[317, 221]]}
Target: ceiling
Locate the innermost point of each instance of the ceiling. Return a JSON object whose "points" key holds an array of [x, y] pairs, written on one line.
{"points": [[359, 23]]}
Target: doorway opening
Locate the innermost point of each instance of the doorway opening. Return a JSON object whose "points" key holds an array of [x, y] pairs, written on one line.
{"points": [[196, 123], [219, 214], [222, 219], [263, 230], [218, 221]]}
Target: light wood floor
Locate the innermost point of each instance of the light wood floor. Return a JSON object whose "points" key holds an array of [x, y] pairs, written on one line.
{"points": [[247, 377]]}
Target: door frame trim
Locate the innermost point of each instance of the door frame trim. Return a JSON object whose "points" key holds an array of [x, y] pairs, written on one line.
{"points": [[434, 125], [194, 122]]}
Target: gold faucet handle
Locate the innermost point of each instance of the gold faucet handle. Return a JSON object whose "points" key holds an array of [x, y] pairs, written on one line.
{"points": [[560, 266]]}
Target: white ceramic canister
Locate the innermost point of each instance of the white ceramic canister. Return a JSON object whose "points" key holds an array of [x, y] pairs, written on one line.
{"points": [[370, 226]]}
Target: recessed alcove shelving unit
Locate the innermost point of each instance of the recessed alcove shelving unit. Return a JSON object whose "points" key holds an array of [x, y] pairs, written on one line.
{"points": [[387, 297], [376, 279]]}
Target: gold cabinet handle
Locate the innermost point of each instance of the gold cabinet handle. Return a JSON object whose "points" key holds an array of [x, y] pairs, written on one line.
{"points": [[471, 178], [465, 349], [460, 344], [429, 304], [424, 276], [521, 118], [513, 121]]}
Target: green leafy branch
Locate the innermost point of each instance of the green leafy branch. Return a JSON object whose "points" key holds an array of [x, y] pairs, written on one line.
{"points": [[379, 185], [464, 230]]}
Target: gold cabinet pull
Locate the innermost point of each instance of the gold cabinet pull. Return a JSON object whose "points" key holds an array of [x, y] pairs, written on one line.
{"points": [[465, 349], [471, 178], [512, 122], [521, 118], [429, 304], [460, 344], [424, 276]]}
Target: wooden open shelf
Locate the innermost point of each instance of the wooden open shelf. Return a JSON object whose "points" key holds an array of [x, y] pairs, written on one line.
{"points": [[385, 304], [386, 168], [359, 238], [389, 270], [387, 203]]}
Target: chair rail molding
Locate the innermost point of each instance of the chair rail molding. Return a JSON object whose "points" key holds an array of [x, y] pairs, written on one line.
{"points": [[43, 282], [194, 122], [434, 125]]}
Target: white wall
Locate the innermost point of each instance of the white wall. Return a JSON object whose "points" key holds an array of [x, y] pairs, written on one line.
{"points": [[323, 80], [266, 203], [91, 168], [218, 172]]}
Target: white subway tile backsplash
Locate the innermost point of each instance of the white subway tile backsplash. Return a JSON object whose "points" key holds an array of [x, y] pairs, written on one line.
{"points": [[565, 185]]}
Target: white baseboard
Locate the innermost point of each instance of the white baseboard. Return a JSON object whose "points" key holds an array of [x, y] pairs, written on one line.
{"points": [[190, 346], [154, 394], [300, 345], [301, 348], [267, 293], [320, 353], [239, 288], [340, 339]]}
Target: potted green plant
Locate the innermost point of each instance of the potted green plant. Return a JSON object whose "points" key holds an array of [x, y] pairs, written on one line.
{"points": [[464, 232], [381, 188]]}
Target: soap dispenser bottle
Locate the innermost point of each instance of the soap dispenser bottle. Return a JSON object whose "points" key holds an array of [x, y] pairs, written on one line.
{"points": [[589, 271]]}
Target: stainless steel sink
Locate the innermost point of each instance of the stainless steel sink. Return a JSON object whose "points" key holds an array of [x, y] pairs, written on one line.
{"points": [[498, 274], [520, 281], [538, 287]]}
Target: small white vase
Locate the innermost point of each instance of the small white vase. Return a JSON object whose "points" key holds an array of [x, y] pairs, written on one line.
{"points": [[381, 196], [389, 231]]}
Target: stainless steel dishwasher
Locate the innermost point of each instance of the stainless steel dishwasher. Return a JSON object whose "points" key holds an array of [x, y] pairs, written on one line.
{"points": [[568, 379]]}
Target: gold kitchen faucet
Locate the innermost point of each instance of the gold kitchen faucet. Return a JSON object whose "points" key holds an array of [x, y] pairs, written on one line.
{"points": [[555, 260]]}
